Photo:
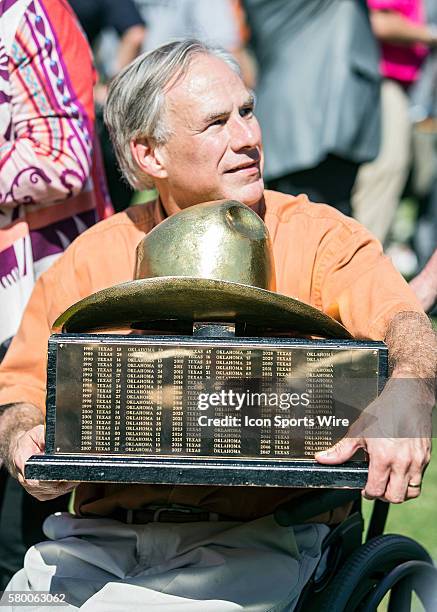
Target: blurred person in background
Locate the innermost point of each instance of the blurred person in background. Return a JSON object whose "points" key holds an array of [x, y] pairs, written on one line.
{"points": [[220, 22], [51, 190], [95, 16], [125, 29], [318, 94], [405, 40], [423, 184]]}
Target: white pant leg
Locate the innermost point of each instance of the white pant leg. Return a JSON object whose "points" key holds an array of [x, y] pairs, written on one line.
{"points": [[20, 583], [219, 566], [80, 557], [380, 183]]}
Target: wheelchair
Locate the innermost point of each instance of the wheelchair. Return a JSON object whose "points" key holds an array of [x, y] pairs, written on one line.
{"points": [[353, 575]]}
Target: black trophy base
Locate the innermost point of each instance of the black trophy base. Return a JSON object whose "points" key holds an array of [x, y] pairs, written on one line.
{"points": [[188, 471]]}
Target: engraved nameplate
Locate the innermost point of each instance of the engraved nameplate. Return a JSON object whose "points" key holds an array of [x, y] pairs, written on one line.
{"points": [[196, 398]]}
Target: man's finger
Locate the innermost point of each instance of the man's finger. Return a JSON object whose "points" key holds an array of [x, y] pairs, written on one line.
{"points": [[340, 452], [44, 490], [396, 491], [413, 492], [37, 435], [377, 480], [414, 487]]}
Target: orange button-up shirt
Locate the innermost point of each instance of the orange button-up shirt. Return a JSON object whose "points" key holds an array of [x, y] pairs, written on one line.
{"points": [[322, 257]]}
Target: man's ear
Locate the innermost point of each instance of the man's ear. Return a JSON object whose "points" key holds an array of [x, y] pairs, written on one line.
{"points": [[149, 157]]}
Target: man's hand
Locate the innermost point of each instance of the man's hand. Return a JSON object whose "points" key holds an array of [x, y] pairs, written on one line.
{"points": [[23, 446], [21, 436], [395, 431]]}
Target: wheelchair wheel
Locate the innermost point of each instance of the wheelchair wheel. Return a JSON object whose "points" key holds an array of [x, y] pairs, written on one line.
{"points": [[388, 563]]}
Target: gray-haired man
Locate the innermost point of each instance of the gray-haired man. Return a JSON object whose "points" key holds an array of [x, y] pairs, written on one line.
{"points": [[182, 119]]}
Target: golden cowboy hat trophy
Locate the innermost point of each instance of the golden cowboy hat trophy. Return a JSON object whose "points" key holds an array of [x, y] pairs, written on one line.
{"points": [[125, 407], [209, 262]]}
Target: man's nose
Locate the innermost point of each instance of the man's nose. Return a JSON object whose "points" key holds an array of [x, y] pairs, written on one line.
{"points": [[244, 133]]}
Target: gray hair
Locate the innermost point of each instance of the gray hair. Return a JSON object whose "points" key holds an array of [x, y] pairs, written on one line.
{"points": [[135, 107]]}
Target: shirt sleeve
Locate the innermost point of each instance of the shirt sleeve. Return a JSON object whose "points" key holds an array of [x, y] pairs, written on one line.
{"points": [[23, 371], [46, 155], [359, 285]]}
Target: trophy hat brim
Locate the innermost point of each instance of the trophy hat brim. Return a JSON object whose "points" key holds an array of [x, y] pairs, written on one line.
{"points": [[149, 302], [209, 262]]}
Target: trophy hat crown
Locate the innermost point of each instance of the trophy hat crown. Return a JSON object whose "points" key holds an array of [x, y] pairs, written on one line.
{"points": [[223, 240]]}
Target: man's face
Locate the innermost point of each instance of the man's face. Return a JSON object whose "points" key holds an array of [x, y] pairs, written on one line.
{"points": [[215, 149]]}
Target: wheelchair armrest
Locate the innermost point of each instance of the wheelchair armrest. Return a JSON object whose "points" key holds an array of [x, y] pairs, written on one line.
{"points": [[294, 513]]}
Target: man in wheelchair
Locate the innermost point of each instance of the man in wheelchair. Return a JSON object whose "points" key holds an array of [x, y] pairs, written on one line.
{"points": [[182, 120]]}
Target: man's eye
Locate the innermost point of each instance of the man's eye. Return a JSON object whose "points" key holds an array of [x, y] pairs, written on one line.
{"points": [[217, 122], [246, 112]]}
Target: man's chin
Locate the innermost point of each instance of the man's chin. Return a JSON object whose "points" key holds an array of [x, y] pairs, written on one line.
{"points": [[248, 194]]}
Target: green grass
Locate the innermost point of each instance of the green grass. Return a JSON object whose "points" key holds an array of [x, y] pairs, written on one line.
{"points": [[416, 518]]}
